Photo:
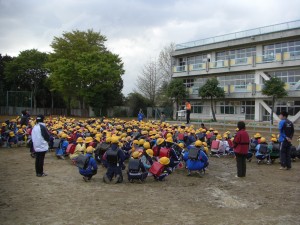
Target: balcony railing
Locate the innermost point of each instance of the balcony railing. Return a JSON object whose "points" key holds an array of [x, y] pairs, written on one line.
{"points": [[252, 60], [241, 34]]}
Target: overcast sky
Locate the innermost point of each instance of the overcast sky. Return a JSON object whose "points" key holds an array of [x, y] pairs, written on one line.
{"points": [[136, 29]]}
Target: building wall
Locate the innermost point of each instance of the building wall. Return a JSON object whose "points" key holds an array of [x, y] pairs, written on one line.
{"points": [[276, 54]]}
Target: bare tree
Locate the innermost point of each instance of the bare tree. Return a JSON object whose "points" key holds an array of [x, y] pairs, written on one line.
{"points": [[165, 61], [150, 80]]}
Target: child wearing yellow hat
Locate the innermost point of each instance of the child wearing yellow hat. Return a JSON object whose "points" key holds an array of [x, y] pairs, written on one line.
{"points": [[91, 168], [136, 169]]}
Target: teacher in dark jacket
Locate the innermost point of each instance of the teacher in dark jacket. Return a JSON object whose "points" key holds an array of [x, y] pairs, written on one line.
{"points": [[241, 147]]}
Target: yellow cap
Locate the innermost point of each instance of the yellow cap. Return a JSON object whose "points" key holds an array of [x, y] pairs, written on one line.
{"points": [[88, 140], [115, 140], [141, 142], [164, 161], [146, 145], [136, 154], [79, 140], [181, 145], [198, 143], [169, 139], [160, 141], [90, 149], [108, 139], [219, 137], [149, 152], [263, 140]]}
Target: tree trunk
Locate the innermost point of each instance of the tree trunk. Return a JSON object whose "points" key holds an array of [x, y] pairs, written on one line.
{"points": [[272, 110], [212, 109]]}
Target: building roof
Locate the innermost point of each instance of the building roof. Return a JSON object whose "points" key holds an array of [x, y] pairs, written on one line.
{"points": [[241, 34]]}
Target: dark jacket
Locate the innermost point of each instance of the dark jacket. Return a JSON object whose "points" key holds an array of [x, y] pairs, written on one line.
{"points": [[241, 142]]}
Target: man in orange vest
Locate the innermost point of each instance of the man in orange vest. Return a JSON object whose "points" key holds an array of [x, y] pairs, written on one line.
{"points": [[188, 108]]}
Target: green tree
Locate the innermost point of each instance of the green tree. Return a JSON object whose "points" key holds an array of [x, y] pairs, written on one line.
{"points": [[274, 88], [177, 91], [210, 90], [83, 69], [28, 72], [4, 84]]}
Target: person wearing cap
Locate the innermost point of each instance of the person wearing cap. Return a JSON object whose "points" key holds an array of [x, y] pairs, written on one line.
{"points": [[40, 138], [12, 139], [114, 158], [79, 149], [136, 169], [240, 148], [262, 151], [174, 159], [61, 150], [200, 162], [91, 168], [147, 158], [165, 161]]}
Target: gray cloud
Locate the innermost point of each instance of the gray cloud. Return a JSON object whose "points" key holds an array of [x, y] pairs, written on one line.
{"points": [[136, 29]]}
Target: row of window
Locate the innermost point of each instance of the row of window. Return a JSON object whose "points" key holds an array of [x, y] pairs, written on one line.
{"points": [[292, 77], [240, 55], [288, 76]]}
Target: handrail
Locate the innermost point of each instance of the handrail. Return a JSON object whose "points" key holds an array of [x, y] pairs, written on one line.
{"points": [[241, 34]]}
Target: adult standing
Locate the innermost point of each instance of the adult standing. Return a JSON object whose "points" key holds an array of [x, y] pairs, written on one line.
{"points": [[25, 118], [286, 133], [40, 138], [241, 146], [188, 108]]}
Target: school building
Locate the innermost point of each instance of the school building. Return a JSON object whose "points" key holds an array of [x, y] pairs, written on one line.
{"points": [[242, 62]]}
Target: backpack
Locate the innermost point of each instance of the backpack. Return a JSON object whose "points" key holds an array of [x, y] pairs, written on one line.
{"points": [[156, 168], [252, 146], [215, 144], [213, 137], [276, 148], [82, 161], [194, 153], [164, 152], [112, 156], [288, 128], [134, 165], [155, 151], [71, 149], [263, 148], [56, 143]]}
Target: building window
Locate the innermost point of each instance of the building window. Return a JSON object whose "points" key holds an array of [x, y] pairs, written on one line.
{"points": [[196, 107], [292, 107], [240, 82], [248, 108], [240, 55], [188, 82], [226, 108], [291, 77], [269, 51], [197, 59]]}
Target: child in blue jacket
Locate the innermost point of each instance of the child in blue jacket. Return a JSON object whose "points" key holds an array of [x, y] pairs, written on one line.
{"points": [[92, 167]]}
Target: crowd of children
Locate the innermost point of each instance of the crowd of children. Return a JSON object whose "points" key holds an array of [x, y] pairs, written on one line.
{"points": [[152, 148]]}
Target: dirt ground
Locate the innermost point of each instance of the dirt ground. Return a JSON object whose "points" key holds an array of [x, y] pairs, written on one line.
{"points": [[266, 196]]}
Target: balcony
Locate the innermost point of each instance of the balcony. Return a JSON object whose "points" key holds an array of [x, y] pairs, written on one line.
{"points": [[247, 63]]}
